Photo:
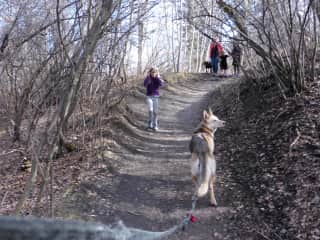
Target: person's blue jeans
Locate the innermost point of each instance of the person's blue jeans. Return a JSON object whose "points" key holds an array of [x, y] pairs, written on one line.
{"points": [[215, 64], [152, 103]]}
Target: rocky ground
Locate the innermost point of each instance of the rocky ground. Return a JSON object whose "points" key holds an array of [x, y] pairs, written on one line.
{"points": [[268, 164]]}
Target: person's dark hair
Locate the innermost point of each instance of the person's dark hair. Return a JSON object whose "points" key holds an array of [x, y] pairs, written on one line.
{"points": [[153, 70]]}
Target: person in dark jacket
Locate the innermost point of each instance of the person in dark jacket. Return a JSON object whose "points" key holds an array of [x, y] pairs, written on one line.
{"points": [[152, 83], [236, 57]]}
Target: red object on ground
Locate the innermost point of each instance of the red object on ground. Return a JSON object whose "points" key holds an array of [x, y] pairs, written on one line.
{"points": [[193, 218]]}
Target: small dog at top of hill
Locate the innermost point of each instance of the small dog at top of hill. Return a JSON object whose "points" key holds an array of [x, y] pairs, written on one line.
{"points": [[203, 163]]}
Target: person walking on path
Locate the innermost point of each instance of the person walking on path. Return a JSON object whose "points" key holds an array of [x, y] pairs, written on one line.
{"points": [[152, 83], [215, 52], [236, 57]]}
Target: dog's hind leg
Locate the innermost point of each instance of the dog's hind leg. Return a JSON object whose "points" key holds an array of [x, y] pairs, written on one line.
{"points": [[213, 200], [194, 168], [205, 173]]}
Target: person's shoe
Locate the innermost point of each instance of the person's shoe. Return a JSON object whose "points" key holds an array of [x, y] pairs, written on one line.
{"points": [[149, 127], [156, 129]]}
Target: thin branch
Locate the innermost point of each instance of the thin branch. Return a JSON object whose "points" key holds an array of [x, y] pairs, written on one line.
{"points": [[294, 141]]}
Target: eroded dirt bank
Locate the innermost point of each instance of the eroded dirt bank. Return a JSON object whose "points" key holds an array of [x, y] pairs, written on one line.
{"points": [[272, 148]]}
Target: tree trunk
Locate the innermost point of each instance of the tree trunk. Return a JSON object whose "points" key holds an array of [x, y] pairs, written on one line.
{"points": [[316, 7], [191, 50], [69, 96], [234, 15], [141, 11], [80, 61], [140, 47]]}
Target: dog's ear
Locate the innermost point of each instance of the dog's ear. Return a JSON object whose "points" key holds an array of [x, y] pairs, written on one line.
{"points": [[210, 111], [205, 115]]}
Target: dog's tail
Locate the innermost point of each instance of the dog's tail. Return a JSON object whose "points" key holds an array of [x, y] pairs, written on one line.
{"points": [[204, 175]]}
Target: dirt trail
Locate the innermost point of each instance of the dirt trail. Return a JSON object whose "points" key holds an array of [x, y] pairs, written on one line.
{"points": [[146, 180]]}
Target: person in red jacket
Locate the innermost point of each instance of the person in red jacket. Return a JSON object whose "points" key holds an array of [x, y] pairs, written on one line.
{"points": [[215, 52]]}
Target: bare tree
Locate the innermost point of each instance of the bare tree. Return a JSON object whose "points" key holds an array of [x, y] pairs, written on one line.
{"points": [[316, 7], [66, 57]]}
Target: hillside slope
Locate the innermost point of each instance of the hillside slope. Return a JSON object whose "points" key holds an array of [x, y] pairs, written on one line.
{"points": [[267, 155]]}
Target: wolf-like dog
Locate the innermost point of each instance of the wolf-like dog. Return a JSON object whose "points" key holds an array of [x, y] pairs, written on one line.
{"points": [[203, 163]]}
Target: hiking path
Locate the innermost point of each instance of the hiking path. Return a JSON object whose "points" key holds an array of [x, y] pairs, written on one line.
{"points": [[146, 182]]}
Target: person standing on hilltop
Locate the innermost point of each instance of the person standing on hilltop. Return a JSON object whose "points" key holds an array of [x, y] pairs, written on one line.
{"points": [[215, 52], [236, 57]]}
